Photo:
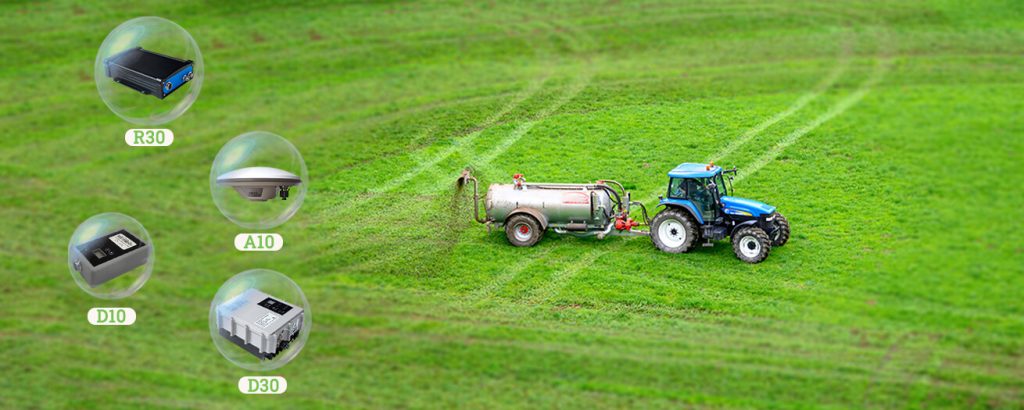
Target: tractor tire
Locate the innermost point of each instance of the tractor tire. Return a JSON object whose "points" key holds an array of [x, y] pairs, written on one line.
{"points": [[523, 230], [751, 244], [673, 231], [781, 235]]}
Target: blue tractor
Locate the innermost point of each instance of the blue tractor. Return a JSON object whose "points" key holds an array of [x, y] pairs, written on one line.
{"points": [[699, 208]]}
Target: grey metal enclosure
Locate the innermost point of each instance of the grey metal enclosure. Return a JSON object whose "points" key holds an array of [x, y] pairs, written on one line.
{"points": [[259, 323]]}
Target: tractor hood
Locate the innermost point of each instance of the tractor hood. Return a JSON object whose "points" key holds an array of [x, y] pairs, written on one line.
{"points": [[743, 206]]}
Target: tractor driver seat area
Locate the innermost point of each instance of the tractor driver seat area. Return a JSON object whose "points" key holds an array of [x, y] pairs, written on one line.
{"points": [[702, 198]]}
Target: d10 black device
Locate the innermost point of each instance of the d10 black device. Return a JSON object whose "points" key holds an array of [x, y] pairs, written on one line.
{"points": [[148, 72], [109, 256]]}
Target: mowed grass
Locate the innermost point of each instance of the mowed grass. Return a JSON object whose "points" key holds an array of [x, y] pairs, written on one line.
{"points": [[889, 134]]}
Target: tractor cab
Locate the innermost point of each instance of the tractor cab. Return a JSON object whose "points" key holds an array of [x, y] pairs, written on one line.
{"points": [[699, 206], [696, 187]]}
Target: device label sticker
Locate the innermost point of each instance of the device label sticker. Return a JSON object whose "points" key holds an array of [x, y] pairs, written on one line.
{"points": [[266, 320], [259, 242], [111, 316], [149, 137], [262, 385], [122, 241], [575, 198]]}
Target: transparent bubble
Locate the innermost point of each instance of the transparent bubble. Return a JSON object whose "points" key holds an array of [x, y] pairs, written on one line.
{"points": [[102, 253], [260, 153], [156, 35], [231, 301]]}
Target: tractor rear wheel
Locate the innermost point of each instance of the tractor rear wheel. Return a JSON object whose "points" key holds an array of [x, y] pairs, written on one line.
{"points": [[523, 230], [673, 231], [781, 234], [751, 244]]}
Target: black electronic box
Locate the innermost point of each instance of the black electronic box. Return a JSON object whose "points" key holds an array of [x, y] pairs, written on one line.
{"points": [[148, 72]]}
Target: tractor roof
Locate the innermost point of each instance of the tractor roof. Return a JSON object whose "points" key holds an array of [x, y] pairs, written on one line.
{"points": [[692, 170]]}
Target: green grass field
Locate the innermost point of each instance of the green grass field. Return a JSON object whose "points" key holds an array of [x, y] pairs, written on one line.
{"points": [[890, 135]]}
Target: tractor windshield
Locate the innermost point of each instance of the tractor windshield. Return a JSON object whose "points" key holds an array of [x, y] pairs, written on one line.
{"points": [[720, 182], [677, 188]]}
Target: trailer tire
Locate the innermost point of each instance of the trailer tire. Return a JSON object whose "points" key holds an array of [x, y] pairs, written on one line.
{"points": [[523, 230], [781, 234], [751, 244], [673, 231]]}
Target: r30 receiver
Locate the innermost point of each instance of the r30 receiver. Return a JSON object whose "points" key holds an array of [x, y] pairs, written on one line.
{"points": [[109, 256], [148, 72]]}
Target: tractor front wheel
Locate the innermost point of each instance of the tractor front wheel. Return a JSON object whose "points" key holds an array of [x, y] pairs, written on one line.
{"points": [[523, 230], [751, 244], [673, 231], [781, 234]]}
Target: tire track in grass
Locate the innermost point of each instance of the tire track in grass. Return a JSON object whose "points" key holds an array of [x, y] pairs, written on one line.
{"points": [[305, 127], [573, 90], [576, 43], [404, 43], [634, 356], [334, 210], [670, 332], [878, 73], [456, 145], [560, 278], [564, 276], [506, 276], [843, 63], [882, 364], [421, 136], [881, 67], [827, 82], [467, 140], [502, 279]]}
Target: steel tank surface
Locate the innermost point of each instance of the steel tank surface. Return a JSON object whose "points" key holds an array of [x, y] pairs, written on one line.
{"points": [[562, 205]]}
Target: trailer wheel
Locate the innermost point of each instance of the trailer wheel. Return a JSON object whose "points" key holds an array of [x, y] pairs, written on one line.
{"points": [[751, 244], [673, 231], [781, 234], [523, 230]]}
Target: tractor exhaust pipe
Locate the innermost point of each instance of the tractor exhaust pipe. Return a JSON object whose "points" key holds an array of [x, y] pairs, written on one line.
{"points": [[465, 178]]}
